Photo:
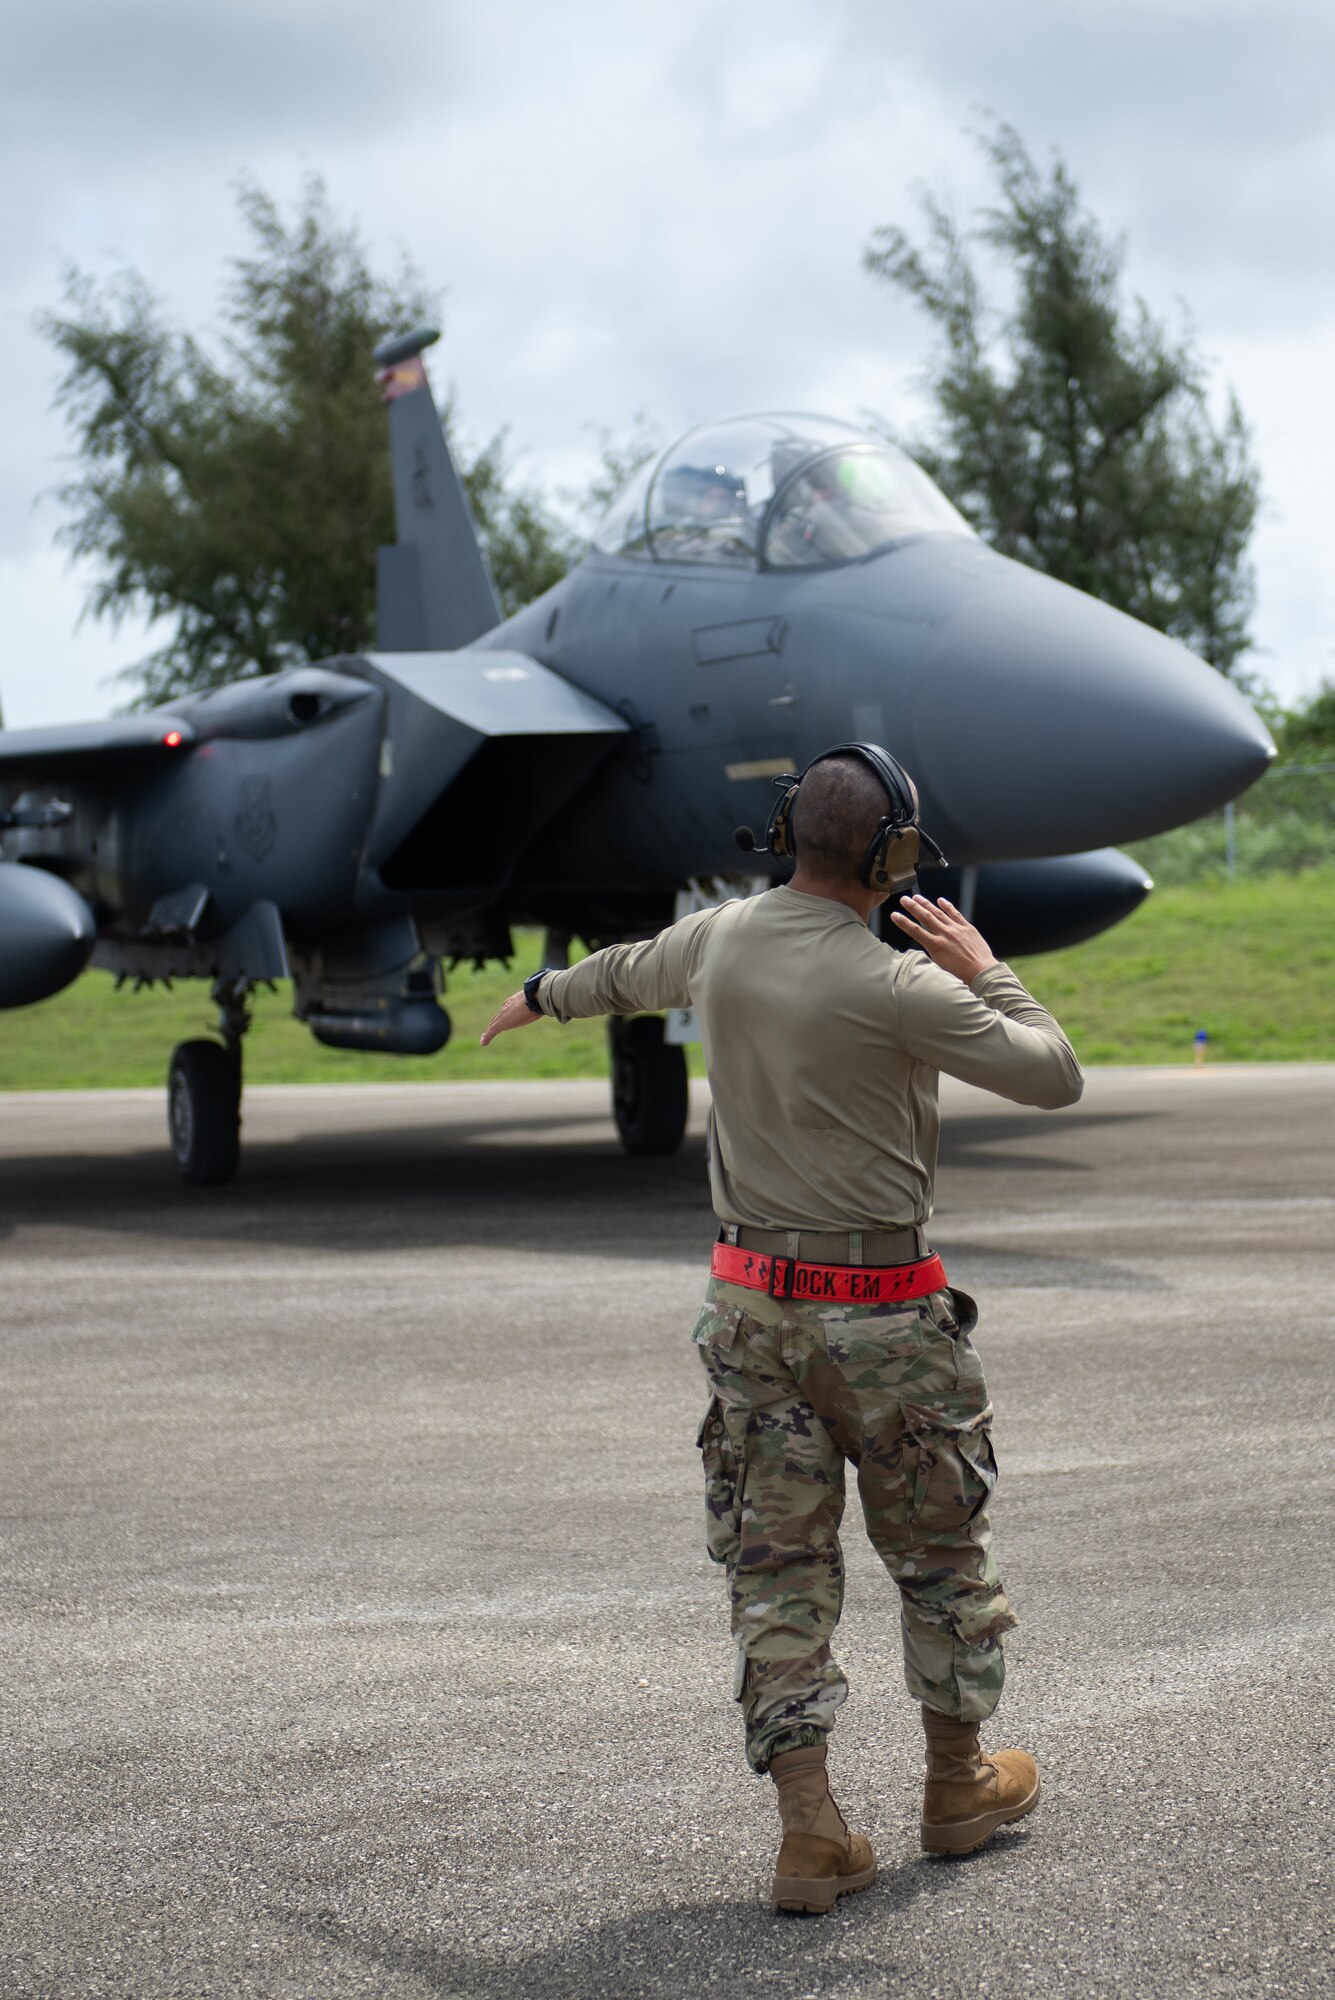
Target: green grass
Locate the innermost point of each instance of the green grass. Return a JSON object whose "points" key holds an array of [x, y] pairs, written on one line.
{"points": [[1253, 963], [91, 1036]]}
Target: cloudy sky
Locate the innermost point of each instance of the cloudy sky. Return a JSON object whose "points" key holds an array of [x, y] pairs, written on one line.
{"points": [[660, 209]]}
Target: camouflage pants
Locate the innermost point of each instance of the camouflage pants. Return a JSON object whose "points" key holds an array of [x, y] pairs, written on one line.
{"points": [[897, 1392]]}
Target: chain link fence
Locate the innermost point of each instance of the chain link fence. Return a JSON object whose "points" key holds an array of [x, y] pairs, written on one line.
{"points": [[1284, 825]]}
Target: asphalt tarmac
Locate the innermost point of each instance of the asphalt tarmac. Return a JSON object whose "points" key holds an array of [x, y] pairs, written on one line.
{"points": [[356, 1633]]}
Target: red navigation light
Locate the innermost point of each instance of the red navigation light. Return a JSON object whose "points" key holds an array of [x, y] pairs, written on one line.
{"points": [[173, 739]]}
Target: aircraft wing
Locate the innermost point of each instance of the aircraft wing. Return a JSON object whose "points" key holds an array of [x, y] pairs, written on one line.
{"points": [[88, 749], [499, 694], [481, 749]]}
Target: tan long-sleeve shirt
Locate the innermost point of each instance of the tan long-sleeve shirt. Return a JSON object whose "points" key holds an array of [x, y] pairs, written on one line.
{"points": [[823, 1048]]}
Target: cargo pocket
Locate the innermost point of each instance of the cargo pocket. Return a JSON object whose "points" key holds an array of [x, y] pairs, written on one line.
{"points": [[955, 1314], [723, 1485], [953, 1474], [718, 1324]]}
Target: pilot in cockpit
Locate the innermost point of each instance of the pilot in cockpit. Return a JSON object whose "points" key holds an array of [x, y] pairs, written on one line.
{"points": [[814, 522], [702, 508]]}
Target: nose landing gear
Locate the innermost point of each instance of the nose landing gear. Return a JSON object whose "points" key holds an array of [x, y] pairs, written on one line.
{"points": [[204, 1094], [649, 1096]]}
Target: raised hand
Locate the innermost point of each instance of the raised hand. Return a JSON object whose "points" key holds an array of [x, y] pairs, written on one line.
{"points": [[948, 938]]}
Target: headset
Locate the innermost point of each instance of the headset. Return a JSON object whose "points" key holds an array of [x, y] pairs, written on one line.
{"points": [[892, 855]]}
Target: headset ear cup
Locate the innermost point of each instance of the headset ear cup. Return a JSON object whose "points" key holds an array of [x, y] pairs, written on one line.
{"points": [[891, 859]]}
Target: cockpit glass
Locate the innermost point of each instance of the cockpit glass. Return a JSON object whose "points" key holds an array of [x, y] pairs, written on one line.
{"points": [[712, 490], [712, 497], [851, 502], [623, 530]]}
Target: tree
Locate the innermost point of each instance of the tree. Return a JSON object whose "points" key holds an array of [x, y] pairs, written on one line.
{"points": [[1072, 430], [1306, 734], [243, 496], [619, 459]]}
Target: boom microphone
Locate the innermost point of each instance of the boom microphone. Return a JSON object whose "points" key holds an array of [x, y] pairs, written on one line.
{"points": [[746, 840]]}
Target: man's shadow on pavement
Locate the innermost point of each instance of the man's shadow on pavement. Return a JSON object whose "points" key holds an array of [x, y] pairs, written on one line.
{"points": [[683, 1949]]}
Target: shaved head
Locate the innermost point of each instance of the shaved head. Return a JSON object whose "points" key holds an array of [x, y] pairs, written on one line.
{"points": [[838, 809]]}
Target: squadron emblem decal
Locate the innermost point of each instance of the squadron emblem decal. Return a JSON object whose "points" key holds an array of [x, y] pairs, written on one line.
{"points": [[421, 478], [255, 821]]}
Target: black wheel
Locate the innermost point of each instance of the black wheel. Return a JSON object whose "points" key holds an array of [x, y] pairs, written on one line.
{"points": [[649, 1098], [204, 1112]]}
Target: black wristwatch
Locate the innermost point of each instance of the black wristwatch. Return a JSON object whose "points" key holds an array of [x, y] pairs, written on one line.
{"points": [[531, 985]]}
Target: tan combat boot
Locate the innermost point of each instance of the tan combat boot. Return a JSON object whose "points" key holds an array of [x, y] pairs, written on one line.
{"points": [[819, 1859], [968, 1796]]}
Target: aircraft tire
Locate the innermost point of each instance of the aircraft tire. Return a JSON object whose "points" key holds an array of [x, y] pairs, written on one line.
{"points": [[649, 1096], [204, 1112]]}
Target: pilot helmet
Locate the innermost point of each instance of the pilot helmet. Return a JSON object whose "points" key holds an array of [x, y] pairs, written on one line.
{"points": [[701, 493]]}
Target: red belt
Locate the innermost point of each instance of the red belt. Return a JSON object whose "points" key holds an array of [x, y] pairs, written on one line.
{"points": [[789, 1278]]}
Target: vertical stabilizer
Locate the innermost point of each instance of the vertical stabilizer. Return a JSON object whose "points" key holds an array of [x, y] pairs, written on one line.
{"points": [[433, 588]]}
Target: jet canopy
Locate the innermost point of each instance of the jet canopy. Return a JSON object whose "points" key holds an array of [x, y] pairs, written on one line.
{"points": [[787, 492]]}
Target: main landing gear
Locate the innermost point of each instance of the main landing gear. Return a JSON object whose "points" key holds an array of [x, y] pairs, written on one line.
{"points": [[204, 1094], [649, 1098]]}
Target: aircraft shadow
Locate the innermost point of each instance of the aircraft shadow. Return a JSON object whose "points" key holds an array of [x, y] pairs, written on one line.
{"points": [[536, 1182], [990, 1268], [1007, 1140], [499, 1181]]}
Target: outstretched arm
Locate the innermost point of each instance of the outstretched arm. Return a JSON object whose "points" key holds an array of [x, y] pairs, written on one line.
{"points": [[621, 979]]}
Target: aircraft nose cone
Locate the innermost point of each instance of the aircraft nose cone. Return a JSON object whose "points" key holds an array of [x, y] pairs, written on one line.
{"points": [[1047, 718]]}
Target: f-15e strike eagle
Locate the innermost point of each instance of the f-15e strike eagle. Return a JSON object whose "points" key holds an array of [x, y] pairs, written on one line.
{"points": [[765, 587]]}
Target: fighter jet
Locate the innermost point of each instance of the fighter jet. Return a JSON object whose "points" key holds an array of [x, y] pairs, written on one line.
{"points": [[764, 588]]}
